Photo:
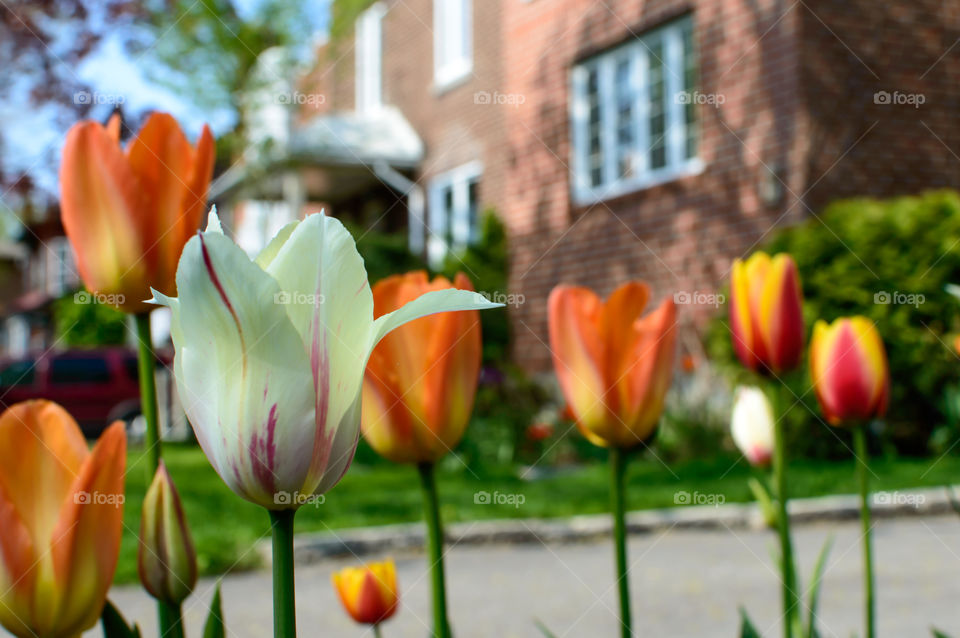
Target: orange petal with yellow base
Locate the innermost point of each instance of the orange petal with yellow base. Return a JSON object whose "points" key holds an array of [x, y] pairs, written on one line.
{"points": [[614, 366], [421, 379], [128, 214], [61, 509]]}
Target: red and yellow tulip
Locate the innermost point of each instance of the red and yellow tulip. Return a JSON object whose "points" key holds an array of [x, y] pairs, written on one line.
{"points": [[766, 314], [129, 213], [61, 517], [421, 379], [614, 367], [848, 365], [166, 560], [368, 593]]}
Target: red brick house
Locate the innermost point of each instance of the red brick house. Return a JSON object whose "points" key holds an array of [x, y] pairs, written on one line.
{"points": [[623, 139]]}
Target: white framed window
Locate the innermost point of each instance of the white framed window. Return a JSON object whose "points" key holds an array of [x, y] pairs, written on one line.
{"points": [[454, 211], [369, 58], [452, 41], [59, 270], [633, 114]]}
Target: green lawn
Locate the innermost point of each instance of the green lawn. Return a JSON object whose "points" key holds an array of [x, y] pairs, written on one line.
{"points": [[225, 527]]}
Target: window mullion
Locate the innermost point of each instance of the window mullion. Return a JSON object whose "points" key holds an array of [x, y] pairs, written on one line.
{"points": [[675, 126], [641, 86], [608, 122]]}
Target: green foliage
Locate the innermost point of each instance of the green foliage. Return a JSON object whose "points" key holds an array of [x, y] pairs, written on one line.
{"points": [[506, 404], [343, 13], [485, 263], [384, 253], [855, 255], [87, 324]]}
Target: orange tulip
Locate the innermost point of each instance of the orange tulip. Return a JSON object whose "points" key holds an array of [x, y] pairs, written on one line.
{"points": [[368, 593], [848, 365], [614, 367], [61, 517], [766, 313], [129, 213], [421, 379]]}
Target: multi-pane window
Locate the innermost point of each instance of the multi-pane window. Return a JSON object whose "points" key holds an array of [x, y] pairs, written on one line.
{"points": [[633, 113], [452, 40], [454, 211]]}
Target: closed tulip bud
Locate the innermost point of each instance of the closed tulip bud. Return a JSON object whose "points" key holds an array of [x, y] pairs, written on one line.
{"points": [[368, 593], [270, 354], [61, 518], [848, 366], [614, 366], [421, 379], [751, 425], [128, 213], [166, 559], [766, 314]]}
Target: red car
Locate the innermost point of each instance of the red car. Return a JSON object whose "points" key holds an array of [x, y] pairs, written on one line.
{"points": [[96, 386]]}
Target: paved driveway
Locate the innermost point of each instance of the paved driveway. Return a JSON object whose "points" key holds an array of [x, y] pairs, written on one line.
{"points": [[684, 583]]}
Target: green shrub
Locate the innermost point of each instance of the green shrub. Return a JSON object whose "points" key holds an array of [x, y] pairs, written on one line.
{"points": [[87, 324], [485, 263], [852, 258]]}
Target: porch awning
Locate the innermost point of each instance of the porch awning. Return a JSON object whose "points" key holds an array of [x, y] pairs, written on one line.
{"points": [[347, 142]]}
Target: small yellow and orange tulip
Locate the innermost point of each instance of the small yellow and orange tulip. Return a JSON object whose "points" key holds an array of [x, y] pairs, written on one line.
{"points": [[166, 559], [848, 366], [766, 312], [61, 517], [614, 367], [421, 379], [368, 593], [129, 213]]}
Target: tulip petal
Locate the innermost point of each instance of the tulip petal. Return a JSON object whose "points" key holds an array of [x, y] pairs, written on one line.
{"points": [[649, 376], [101, 202], [240, 365], [17, 577], [330, 305], [578, 353], [421, 380], [41, 451], [162, 159], [86, 542]]}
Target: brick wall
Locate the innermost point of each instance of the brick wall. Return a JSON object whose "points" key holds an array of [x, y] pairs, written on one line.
{"points": [[681, 235], [454, 128], [852, 51]]}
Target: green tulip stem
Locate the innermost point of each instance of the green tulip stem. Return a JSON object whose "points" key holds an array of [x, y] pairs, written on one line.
{"points": [[284, 607], [618, 466], [860, 448], [146, 369], [791, 600], [376, 631], [431, 513], [171, 620]]}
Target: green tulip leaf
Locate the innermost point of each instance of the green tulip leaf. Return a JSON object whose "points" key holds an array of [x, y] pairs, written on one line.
{"points": [[114, 625], [214, 627], [747, 630]]}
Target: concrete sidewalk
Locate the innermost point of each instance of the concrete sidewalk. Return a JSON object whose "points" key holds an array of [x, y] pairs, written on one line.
{"points": [[685, 582], [359, 542]]}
